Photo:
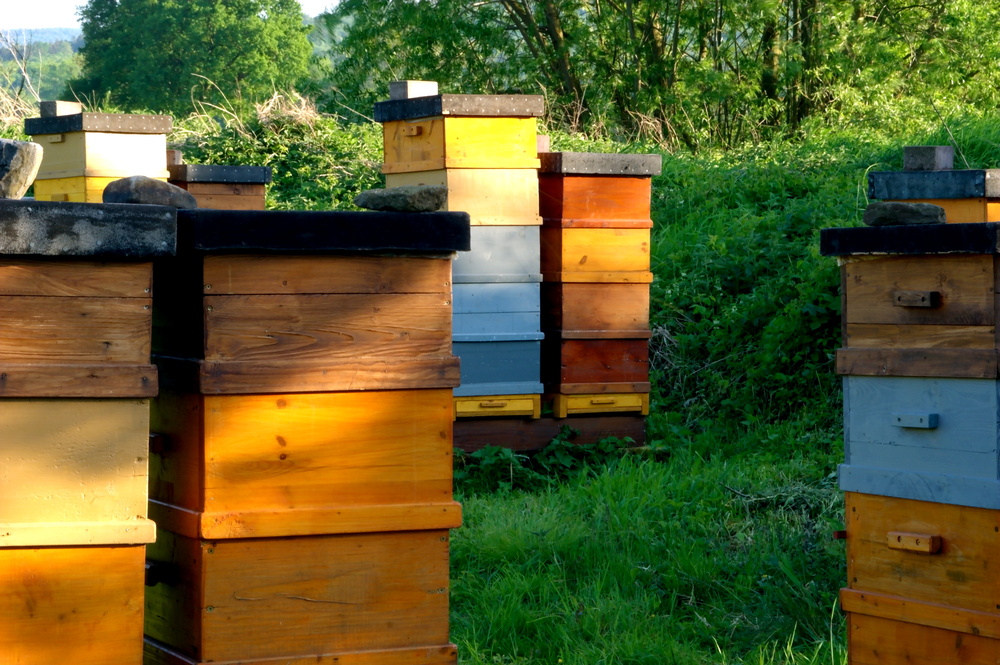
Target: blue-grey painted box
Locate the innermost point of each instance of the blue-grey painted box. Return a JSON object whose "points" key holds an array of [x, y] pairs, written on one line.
{"points": [[500, 309], [500, 254], [928, 439], [499, 368], [963, 184]]}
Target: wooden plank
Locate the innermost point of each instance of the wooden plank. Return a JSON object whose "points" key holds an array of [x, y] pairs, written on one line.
{"points": [[306, 520], [159, 654], [429, 144], [73, 462], [964, 284], [962, 574], [921, 486], [75, 330], [242, 189], [248, 275], [523, 434], [500, 254], [961, 211], [492, 197], [328, 376], [595, 201], [77, 380], [896, 608], [897, 336], [586, 250], [80, 605], [574, 405], [81, 189], [876, 641], [325, 328], [960, 363], [319, 451], [594, 309], [234, 600], [24, 276], [229, 202], [594, 361], [500, 365], [492, 406], [605, 276]]}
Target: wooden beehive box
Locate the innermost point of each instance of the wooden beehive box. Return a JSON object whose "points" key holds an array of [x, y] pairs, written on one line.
{"points": [[575, 366], [595, 311], [459, 132], [524, 434], [967, 196], [248, 466], [289, 312], [491, 196], [222, 187], [85, 151], [80, 605], [595, 190], [922, 583], [355, 598]]}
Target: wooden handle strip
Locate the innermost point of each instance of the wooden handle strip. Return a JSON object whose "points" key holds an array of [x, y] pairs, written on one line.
{"points": [[922, 543]]}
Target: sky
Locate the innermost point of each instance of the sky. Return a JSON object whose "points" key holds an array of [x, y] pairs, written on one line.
{"points": [[36, 14]]}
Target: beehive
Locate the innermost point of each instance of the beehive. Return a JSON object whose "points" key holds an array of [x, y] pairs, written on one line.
{"points": [[301, 469], [967, 196], [491, 196], [83, 152], [525, 434], [222, 187], [75, 377]]}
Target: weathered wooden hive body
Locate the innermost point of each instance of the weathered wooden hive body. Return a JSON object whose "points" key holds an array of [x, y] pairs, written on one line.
{"points": [[75, 383], [483, 149], [301, 468], [922, 461], [222, 187], [83, 152]]}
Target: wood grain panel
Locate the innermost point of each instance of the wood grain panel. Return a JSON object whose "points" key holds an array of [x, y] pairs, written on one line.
{"points": [[80, 605], [69, 462], [429, 144], [963, 363], [77, 380], [876, 641], [233, 600], [326, 328], [492, 197], [75, 330], [229, 274], [156, 653], [963, 574], [895, 336], [240, 454], [964, 282], [594, 250], [594, 361], [595, 201], [22, 276], [524, 434], [103, 155], [622, 309], [242, 189], [898, 608]]}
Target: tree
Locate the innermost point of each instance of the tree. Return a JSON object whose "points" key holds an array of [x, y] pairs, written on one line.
{"points": [[163, 54]]}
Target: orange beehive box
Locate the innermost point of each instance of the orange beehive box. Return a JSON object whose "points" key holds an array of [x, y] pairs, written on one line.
{"points": [[595, 365], [333, 599], [243, 466], [595, 255], [600, 310], [222, 187], [579, 189], [80, 605]]}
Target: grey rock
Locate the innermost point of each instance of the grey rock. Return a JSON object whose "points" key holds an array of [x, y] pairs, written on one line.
{"points": [[408, 198], [19, 162], [896, 213], [928, 158], [143, 189]]}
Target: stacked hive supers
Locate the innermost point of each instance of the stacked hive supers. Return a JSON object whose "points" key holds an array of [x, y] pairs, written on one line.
{"points": [[83, 152], [301, 472], [921, 473], [483, 149], [596, 271], [75, 383]]}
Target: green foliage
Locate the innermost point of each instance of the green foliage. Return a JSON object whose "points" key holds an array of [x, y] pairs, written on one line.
{"points": [[34, 69], [317, 162], [163, 54]]}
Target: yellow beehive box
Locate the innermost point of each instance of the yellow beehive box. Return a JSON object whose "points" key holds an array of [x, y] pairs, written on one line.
{"points": [[492, 197], [75, 472], [595, 255], [498, 405], [242, 466], [79, 189], [80, 605], [459, 131], [571, 405]]}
